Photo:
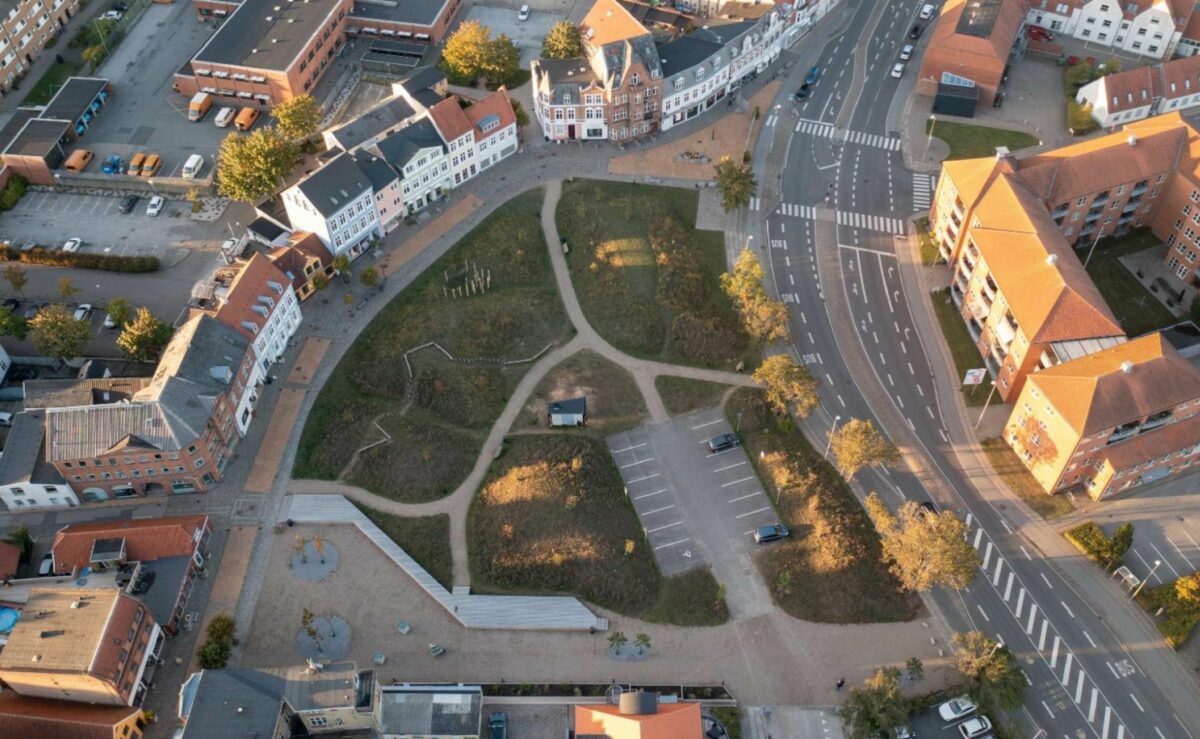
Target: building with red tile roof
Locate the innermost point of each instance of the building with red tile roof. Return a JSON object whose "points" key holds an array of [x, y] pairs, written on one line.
{"points": [[144, 539], [41, 718], [1139, 93], [649, 720], [970, 43], [302, 260]]}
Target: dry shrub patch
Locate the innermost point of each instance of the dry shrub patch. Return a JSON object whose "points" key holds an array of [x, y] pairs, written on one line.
{"points": [[613, 399], [683, 395]]}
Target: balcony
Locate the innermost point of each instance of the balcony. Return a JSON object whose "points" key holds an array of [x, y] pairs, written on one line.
{"points": [[1138, 189], [1100, 199], [997, 354], [1047, 360], [1006, 331], [960, 281], [1123, 432], [975, 329], [1130, 207], [956, 294], [1061, 212], [1153, 422], [1091, 217]]}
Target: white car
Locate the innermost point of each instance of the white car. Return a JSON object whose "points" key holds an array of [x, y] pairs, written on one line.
{"points": [[907, 52], [46, 566], [155, 206], [72, 244], [523, 15], [112, 15], [956, 708], [973, 727], [898, 70], [83, 312], [109, 322]]}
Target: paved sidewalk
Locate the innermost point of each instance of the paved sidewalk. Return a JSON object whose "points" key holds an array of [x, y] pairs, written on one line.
{"points": [[266, 463]]}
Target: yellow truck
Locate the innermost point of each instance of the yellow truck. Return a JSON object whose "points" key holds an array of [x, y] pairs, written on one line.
{"points": [[199, 106]]}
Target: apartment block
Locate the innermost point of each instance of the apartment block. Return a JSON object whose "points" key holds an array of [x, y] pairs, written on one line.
{"points": [[1139, 93], [1111, 421], [26, 28], [1150, 28], [88, 645]]}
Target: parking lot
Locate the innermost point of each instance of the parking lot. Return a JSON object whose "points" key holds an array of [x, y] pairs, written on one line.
{"points": [[533, 721], [1166, 528], [527, 34], [696, 506]]}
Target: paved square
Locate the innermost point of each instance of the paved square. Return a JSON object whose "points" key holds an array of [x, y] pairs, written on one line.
{"points": [[527, 34]]}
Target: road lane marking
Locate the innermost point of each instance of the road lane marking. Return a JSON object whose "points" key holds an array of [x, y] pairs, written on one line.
{"points": [[710, 423], [735, 482], [1008, 587], [1136, 702], [751, 495], [1066, 677], [996, 575], [1089, 639], [1004, 523], [1054, 649], [1020, 602], [1046, 580], [983, 613], [1107, 721], [751, 513], [1042, 636], [1092, 706], [987, 556], [647, 495], [664, 527], [1047, 707], [1067, 609], [1079, 688], [1032, 615], [1025, 551], [978, 536], [659, 510], [1181, 554]]}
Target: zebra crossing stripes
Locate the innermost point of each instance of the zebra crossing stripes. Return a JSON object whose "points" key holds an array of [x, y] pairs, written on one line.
{"points": [[814, 128], [861, 138], [923, 185], [872, 223], [772, 119], [798, 211], [755, 203]]}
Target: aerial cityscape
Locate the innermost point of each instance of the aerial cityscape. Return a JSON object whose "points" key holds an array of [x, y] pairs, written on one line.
{"points": [[600, 369]]}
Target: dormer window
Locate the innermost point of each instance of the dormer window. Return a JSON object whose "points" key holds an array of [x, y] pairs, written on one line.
{"points": [[634, 80]]}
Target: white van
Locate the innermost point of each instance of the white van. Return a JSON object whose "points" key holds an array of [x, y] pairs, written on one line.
{"points": [[193, 166], [926, 12], [225, 117]]}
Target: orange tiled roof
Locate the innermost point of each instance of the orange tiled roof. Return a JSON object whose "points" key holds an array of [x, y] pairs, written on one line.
{"points": [[608, 22], [992, 50], [449, 118], [1094, 392], [496, 104], [145, 539], [40, 718], [672, 721], [243, 292]]}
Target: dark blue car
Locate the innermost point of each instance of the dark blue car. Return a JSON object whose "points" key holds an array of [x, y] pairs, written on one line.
{"points": [[814, 74], [112, 165]]}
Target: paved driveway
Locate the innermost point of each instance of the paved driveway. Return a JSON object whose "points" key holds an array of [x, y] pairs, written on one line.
{"points": [[526, 721]]}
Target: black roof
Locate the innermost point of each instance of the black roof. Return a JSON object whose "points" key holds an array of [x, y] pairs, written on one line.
{"points": [[234, 703], [401, 146], [163, 580], [570, 406], [391, 112], [15, 124], [38, 137], [73, 98], [685, 52], [265, 228], [421, 79], [257, 36], [414, 12], [376, 170], [724, 32], [331, 187]]}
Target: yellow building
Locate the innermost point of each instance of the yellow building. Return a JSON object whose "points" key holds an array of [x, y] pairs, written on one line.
{"points": [[1111, 421]]}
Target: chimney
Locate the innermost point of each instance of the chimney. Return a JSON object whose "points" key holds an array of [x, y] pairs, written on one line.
{"points": [[1127, 367], [1052, 259], [1132, 140], [1002, 153], [638, 703]]}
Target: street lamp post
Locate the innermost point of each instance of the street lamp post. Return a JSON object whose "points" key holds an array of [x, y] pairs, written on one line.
{"points": [[929, 138], [1142, 584], [995, 646], [830, 443], [1099, 233], [986, 403]]}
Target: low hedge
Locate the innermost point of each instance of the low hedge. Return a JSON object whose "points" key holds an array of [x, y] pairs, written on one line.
{"points": [[1178, 617], [103, 262], [1090, 539], [13, 191]]}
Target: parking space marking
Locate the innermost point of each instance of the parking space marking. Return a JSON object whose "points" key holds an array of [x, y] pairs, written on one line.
{"points": [[735, 482], [744, 497], [635, 464], [670, 544], [663, 528], [629, 448], [647, 495], [710, 423], [647, 477], [1164, 559], [751, 513], [729, 466], [659, 510]]}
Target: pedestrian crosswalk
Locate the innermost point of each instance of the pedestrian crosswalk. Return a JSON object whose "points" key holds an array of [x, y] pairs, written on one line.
{"points": [[860, 138], [1054, 650], [755, 203], [872, 223], [772, 119], [798, 211], [923, 187]]}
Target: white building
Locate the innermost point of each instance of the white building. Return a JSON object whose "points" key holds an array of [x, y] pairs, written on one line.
{"points": [[1120, 98], [27, 481], [1149, 28], [336, 203]]}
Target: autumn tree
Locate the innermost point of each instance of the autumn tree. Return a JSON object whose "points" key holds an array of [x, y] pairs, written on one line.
{"points": [[877, 708], [857, 444], [67, 289], [55, 332], [12, 324], [143, 337], [471, 52], [764, 319], [1187, 588], [790, 386], [503, 60], [298, 117], [735, 183], [17, 278], [119, 311], [522, 118], [369, 277], [250, 167], [563, 41], [1035, 441], [994, 674], [925, 549]]}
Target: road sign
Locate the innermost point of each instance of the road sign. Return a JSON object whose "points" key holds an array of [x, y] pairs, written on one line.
{"points": [[975, 376]]}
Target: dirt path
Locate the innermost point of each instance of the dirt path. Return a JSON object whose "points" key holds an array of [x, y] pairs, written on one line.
{"points": [[644, 373]]}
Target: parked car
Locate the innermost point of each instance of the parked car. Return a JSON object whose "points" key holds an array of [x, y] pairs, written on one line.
{"points": [[127, 203], [109, 322], [973, 727], [523, 14], [956, 708], [915, 32], [224, 117], [112, 15], [907, 52], [83, 312], [814, 74], [155, 206], [927, 11], [46, 566], [723, 442], [112, 165], [32, 309], [123, 7], [150, 166], [72, 245], [898, 70], [6, 418], [498, 725], [774, 532]]}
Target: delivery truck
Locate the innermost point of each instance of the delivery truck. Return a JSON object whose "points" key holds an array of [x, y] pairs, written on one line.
{"points": [[199, 106]]}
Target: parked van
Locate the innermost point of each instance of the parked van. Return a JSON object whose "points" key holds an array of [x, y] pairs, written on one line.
{"points": [[79, 160], [246, 118], [224, 116], [198, 107], [926, 12], [193, 166], [151, 166], [135, 164]]}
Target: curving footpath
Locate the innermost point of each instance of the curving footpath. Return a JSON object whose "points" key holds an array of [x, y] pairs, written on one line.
{"points": [[644, 373]]}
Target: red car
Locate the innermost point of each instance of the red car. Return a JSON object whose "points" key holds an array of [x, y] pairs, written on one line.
{"points": [[1040, 33]]}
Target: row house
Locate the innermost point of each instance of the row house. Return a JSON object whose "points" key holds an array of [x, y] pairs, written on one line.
{"points": [[1140, 93], [1151, 28], [25, 31], [1111, 421], [301, 257], [337, 203]]}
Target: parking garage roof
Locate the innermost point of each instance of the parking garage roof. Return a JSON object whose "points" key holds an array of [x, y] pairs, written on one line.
{"points": [[266, 34]]}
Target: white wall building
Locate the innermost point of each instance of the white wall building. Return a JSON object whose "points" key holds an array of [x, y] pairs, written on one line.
{"points": [[27, 481], [1120, 98], [336, 203], [1148, 27]]}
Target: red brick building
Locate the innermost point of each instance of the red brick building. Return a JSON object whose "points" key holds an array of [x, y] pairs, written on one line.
{"points": [[971, 41]]}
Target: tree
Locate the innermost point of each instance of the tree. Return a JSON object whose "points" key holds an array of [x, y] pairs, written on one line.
{"points": [[221, 628], [992, 670], [66, 288], [563, 41], [298, 117], [24, 541], [915, 668], [143, 337], [214, 655], [12, 324], [17, 278], [466, 53], [503, 60], [1122, 539], [763, 319], [1078, 75], [306, 622], [1187, 588], [859, 444], [616, 640], [736, 184], [877, 708], [369, 277], [320, 281], [94, 54], [118, 310], [55, 332], [789, 385], [519, 113], [341, 264], [642, 641], [251, 167], [925, 549]]}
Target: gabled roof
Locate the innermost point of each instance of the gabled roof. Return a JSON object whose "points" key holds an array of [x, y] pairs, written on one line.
{"points": [[1095, 392], [608, 22], [669, 721], [450, 119], [333, 186], [242, 296], [403, 145], [491, 115], [40, 718], [376, 170], [146, 539], [361, 130]]}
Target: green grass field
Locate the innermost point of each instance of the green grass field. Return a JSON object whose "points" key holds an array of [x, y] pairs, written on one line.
{"points": [[48, 85], [967, 141], [682, 395], [1008, 466], [1137, 310], [962, 348], [426, 539]]}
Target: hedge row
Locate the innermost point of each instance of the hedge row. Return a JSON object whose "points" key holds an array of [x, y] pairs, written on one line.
{"points": [[13, 191], [1092, 541], [103, 262]]}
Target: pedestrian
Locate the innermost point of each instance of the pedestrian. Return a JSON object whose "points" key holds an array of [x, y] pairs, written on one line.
{"points": [[841, 682]]}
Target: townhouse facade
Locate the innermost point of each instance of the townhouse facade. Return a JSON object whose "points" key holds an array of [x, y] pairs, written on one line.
{"points": [[337, 203], [627, 85], [1140, 93], [1150, 28], [88, 645], [260, 304], [26, 28]]}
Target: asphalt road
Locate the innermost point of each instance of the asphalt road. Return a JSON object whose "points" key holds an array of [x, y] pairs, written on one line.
{"points": [[844, 179]]}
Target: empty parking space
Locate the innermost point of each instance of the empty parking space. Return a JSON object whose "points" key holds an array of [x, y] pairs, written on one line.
{"points": [[1174, 542]]}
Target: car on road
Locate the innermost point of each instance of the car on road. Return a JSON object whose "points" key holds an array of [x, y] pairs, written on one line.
{"points": [[523, 14], [774, 532], [898, 70], [814, 74], [128, 203], [31, 310], [72, 245], [83, 312], [112, 165], [155, 206], [956, 708], [12, 304], [723, 442], [907, 52], [915, 32], [973, 727], [46, 566], [112, 15], [927, 11], [802, 93], [498, 725]]}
